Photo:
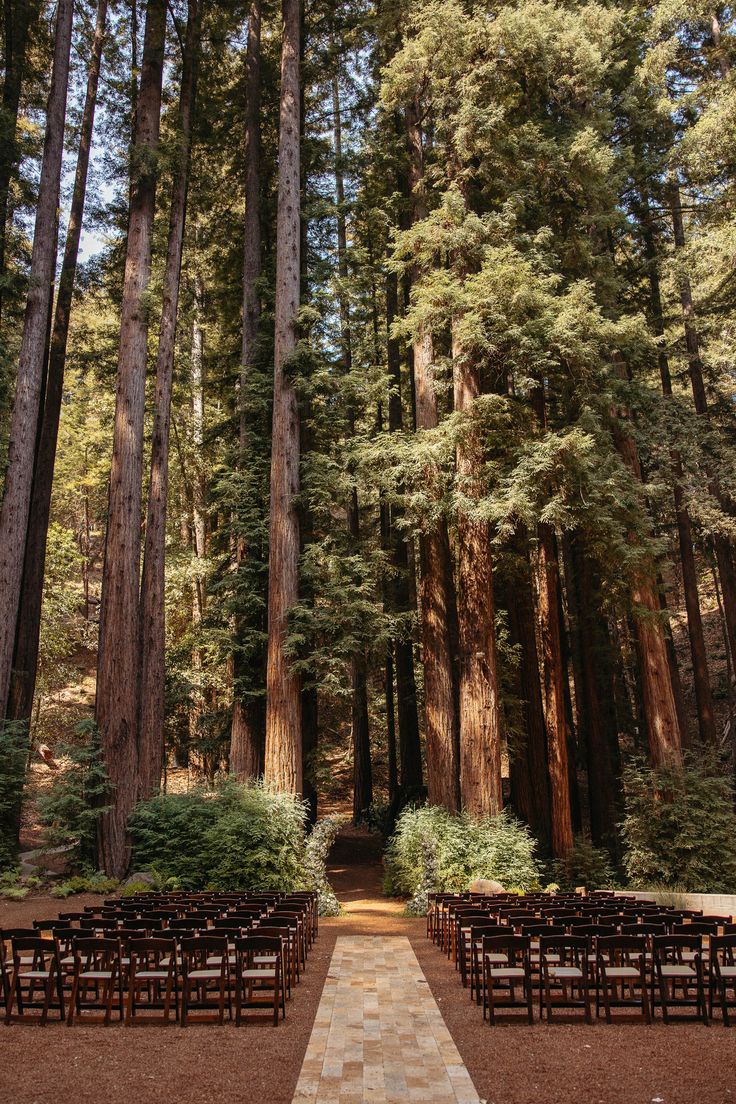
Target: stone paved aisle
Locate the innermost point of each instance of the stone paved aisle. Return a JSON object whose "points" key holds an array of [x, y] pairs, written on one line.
{"points": [[379, 1035]]}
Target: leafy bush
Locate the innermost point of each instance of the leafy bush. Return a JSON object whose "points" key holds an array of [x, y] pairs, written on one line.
{"points": [[238, 837], [13, 755], [586, 865], [98, 882], [679, 828], [319, 844], [464, 849], [71, 809]]}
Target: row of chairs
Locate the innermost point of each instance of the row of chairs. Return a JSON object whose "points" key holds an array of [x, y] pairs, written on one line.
{"points": [[85, 965], [635, 959]]}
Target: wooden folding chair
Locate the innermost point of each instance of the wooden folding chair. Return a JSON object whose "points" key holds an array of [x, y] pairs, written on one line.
{"points": [[152, 972], [96, 981], [259, 980], [205, 978], [565, 977], [620, 967], [33, 978], [506, 968], [723, 973], [678, 964]]}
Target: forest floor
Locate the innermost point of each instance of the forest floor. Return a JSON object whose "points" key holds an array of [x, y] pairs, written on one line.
{"points": [[562, 1063]]}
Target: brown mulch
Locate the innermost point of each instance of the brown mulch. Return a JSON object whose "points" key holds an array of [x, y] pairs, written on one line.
{"points": [[563, 1063]]}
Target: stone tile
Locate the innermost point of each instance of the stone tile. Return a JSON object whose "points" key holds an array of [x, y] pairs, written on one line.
{"points": [[379, 1035]]}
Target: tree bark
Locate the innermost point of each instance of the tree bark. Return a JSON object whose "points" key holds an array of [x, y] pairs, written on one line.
{"points": [[283, 761], [24, 422], [437, 600], [153, 622], [530, 785], [410, 750], [118, 666], [18, 16], [657, 692], [25, 659], [245, 734], [479, 712]]}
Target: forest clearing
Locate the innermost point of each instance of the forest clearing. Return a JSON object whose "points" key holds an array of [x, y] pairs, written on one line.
{"points": [[368, 550]]}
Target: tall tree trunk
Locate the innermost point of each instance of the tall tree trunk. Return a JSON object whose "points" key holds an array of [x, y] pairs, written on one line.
{"points": [[723, 547], [597, 692], [118, 664], [29, 381], [283, 765], [25, 659], [480, 718], [245, 735], [439, 616], [701, 675], [18, 16], [530, 784], [410, 750], [657, 693], [153, 625], [362, 773], [548, 612]]}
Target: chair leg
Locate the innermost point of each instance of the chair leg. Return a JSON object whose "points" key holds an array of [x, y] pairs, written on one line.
{"points": [[73, 1001], [11, 996]]}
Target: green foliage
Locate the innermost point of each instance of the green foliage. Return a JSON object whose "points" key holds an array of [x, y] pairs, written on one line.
{"points": [[679, 828], [464, 849], [13, 755], [236, 837], [586, 865], [319, 843], [98, 882], [71, 809]]}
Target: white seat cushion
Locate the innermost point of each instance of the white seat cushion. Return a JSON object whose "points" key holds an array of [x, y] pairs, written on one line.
{"points": [[565, 972], [507, 972], [621, 972]]}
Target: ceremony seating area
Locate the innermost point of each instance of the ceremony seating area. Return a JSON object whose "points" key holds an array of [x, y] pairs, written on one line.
{"points": [[592, 953], [161, 958]]}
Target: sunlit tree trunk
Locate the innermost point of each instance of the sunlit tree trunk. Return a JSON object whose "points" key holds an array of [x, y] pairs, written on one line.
{"points": [[153, 624], [437, 599], [16, 502], [245, 734], [283, 761], [118, 665], [25, 659]]}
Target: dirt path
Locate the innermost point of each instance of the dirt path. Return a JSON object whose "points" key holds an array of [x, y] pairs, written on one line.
{"points": [[558, 1064]]}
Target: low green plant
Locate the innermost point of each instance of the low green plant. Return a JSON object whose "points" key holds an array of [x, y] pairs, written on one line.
{"points": [[96, 882], [71, 810], [586, 865], [235, 837], [679, 827], [464, 849], [15, 893]]}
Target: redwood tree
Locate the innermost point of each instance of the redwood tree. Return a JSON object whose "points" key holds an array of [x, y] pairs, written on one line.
{"points": [[283, 760]]}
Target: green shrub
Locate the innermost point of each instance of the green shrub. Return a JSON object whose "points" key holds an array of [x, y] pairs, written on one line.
{"points": [[679, 828], [463, 849], [71, 809], [586, 865], [13, 756], [98, 882], [319, 844], [238, 837]]}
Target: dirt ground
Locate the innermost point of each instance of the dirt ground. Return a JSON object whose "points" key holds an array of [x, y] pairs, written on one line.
{"points": [[563, 1063]]}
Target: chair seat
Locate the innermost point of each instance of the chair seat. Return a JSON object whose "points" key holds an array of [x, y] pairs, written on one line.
{"points": [[678, 970], [727, 971], [34, 974], [507, 972], [153, 975], [204, 975], [622, 972], [500, 958], [565, 972], [258, 974], [96, 975]]}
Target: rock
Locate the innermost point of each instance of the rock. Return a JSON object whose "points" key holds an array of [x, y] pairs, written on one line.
{"points": [[141, 877], [486, 886]]}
